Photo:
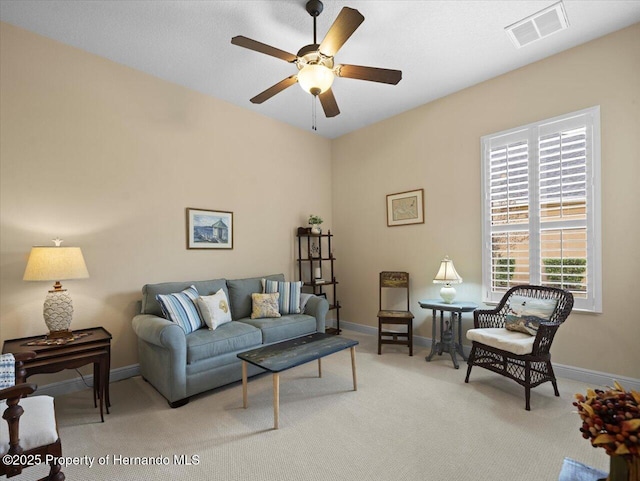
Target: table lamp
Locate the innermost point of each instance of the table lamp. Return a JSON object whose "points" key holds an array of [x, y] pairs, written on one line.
{"points": [[447, 275], [56, 263]]}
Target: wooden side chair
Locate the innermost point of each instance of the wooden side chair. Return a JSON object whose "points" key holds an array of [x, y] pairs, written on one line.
{"points": [[30, 429], [522, 355], [394, 280]]}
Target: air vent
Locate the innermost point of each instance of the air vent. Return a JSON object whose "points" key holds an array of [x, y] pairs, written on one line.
{"points": [[539, 25]]}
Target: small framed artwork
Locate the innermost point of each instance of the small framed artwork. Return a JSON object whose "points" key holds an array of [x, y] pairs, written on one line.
{"points": [[405, 208], [209, 229]]}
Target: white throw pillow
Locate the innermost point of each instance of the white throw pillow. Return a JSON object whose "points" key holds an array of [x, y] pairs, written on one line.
{"points": [[214, 309]]}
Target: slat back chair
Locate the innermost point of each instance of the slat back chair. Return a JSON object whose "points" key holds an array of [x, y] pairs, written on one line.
{"points": [[394, 280], [524, 358]]}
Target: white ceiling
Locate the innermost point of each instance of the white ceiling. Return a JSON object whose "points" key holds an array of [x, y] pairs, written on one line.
{"points": [[441, 46]]}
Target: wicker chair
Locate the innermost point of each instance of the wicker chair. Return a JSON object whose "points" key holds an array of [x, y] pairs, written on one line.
{"points": [[31, 432], [523, 358]]}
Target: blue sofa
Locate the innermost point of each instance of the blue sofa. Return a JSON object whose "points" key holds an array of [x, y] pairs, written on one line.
{"points": [[181, 365]]}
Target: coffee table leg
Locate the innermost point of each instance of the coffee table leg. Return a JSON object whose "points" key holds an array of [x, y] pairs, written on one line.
{"points": [[244, 384], [353, 368], [320, 367], [276, 399]]}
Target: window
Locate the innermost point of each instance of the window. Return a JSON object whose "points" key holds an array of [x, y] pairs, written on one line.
{"points": [[541, 208]]}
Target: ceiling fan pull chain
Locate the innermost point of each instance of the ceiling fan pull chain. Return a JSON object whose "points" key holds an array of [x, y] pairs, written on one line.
{"points": [[314, 124]]}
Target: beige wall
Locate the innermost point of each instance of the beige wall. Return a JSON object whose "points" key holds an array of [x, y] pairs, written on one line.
{"points": [[108, 158], [437, 147]]}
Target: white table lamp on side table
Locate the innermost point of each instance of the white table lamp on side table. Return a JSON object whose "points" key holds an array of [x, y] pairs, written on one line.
{"points": [[447, 275]]}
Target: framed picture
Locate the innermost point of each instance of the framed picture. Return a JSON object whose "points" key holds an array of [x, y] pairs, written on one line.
{"points": [[405, 208], [209, 229]]}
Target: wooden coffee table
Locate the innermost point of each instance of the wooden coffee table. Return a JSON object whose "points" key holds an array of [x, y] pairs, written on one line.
{"points": [[279, 357]]}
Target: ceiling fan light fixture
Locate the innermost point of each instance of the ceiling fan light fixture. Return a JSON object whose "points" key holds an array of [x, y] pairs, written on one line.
{"points": [[315, 79]]}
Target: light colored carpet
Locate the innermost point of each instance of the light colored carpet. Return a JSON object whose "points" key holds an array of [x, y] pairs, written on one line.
{"points": [[409, 420]]}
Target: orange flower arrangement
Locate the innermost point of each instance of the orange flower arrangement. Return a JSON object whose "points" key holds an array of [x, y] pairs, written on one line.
{"points": [[611, 420]]}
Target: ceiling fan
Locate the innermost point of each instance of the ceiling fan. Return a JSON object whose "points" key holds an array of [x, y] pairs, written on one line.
{"points": [[315, 62]]}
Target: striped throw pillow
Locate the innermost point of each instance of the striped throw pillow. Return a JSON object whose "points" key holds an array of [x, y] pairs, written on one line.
{"points": [[181, 309], [289, 302]]}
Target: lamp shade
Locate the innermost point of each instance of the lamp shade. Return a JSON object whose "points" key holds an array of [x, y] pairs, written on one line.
{"points": [[447, 273], [315, 79], [55, 264]]}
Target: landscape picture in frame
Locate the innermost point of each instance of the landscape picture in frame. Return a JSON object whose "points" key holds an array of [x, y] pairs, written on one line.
{"points": [[209, 229], [405, 208]]}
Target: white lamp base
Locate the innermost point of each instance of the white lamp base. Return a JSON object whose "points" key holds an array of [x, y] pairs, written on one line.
{"points": [[58, 311], [448, 294]]}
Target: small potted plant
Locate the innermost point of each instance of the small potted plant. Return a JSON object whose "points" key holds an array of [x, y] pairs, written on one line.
{"points": [[314, 222]]}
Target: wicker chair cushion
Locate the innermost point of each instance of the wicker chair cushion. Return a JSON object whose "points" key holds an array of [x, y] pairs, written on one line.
{"points": [[512, 341], [524, 314], [37, 424]]}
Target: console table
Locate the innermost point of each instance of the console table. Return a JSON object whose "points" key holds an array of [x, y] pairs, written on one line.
{"points": [[89, 346], [447, 342]]}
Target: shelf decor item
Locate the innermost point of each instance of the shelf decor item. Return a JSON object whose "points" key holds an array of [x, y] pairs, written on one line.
{"points": [[209, 229], [405, 208], [611, 420], [56, 263], [314, 222], [316, 268], [447, 275]]}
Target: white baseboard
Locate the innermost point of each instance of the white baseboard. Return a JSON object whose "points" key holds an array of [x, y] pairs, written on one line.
{"points": [[593, 378]]}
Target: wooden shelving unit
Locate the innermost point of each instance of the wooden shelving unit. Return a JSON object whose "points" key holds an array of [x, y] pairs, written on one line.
{"points": [[314, 251]]}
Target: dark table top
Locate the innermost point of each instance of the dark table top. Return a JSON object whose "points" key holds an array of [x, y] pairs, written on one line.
{"points": [[440, 305], [294, 352], [38, 344]]}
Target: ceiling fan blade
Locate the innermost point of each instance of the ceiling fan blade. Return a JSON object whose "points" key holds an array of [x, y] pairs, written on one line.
{"points": [[373, 74], [347, 21], [274, 89], [245, 42], [329, 104]]}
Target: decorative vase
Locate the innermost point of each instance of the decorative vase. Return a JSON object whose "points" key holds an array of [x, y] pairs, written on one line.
{"points": [[623, 468], [316, 229]]}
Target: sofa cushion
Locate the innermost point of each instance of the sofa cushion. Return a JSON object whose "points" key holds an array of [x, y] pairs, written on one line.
{"points": [[180, 307], [230, 337], [282, 328], [265, 305], [149, 292], [515, 342], [240, 291], [289, 302], [524, 314], [214, 309]]}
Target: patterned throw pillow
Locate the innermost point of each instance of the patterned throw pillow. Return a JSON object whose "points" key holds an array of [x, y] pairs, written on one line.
{"points": [[214, 309], [289, 302], [265, 305], [181, 308], [524, 314]]}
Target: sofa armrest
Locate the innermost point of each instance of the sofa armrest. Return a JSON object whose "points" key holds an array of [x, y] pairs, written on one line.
{"points": [[159, 331], [318, 308]]}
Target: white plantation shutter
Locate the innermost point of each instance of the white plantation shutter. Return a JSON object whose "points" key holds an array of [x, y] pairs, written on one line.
{"points": [[541, 208]]}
